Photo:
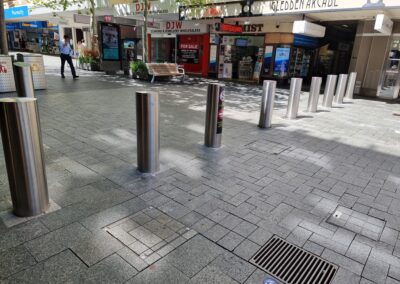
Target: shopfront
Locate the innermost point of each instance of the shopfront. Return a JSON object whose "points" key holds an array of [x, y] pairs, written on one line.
{"points": [[36, 36], [184, 43]]}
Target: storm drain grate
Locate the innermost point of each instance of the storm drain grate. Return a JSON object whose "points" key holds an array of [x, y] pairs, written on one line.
{"points": [[293, 265]]}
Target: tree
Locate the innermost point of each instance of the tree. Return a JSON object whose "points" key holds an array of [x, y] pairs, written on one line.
{"points": [[62, 5], [3, 31]]}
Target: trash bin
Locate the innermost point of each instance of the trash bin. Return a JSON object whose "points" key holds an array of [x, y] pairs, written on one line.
{"points": [[23, 152]]}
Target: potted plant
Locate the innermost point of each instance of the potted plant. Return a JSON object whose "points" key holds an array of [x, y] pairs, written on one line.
{"points": [[94, 64], [81, 61], [139, 70]]}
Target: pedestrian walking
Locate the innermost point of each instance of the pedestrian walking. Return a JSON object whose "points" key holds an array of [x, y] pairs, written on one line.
{"points": [[66, 55]]}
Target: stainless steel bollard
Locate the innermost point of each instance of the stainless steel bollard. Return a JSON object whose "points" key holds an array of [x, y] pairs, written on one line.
{"points": [[329, 90], [294, 98], [23, 80], [341, 88], [23, 152], [214, 115], [267, 104], [315, 91], [350, 85], [148, 133]]}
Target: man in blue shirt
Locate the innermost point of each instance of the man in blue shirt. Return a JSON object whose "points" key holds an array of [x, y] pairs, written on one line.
{"points": [[65, 54]]}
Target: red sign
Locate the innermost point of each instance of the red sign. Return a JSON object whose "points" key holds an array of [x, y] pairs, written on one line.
{"points": [[173, 25], [188, 46], [108, 18], [229, 28]]}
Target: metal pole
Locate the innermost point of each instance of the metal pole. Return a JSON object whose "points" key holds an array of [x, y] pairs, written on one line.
{"points": [[214, 115], [23, 152], [294, 98], [329, 90], [267, 104], [315, 91], [23, 80], [148, 133], [341, 88], [350, 86]]}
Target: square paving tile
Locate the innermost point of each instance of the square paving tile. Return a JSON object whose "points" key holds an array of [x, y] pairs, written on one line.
{"points": [[358, 223]]}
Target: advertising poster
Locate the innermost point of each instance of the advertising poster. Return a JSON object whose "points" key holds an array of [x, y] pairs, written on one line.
{"points": [[220, 117], [281, 61], [212, 65], [110, 42], [257, 67], [268, 58]]}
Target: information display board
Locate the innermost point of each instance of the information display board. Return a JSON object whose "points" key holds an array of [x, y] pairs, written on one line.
{"points": [[110, 42], [281, 65], [7, 81]]}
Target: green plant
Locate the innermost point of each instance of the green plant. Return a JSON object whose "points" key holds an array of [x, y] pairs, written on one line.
{"points": [[138, 67]]}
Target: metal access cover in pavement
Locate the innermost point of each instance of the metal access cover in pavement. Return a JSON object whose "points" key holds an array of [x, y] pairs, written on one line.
{"points": [[357, 222], [293, 265]]}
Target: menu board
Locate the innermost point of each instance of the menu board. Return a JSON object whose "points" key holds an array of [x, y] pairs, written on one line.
{"points": [[189, 56], [38, 71], [7, 83], [110, 42]]}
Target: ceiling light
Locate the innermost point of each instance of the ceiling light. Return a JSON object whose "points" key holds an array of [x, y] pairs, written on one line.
{"points": [[247, 22]]}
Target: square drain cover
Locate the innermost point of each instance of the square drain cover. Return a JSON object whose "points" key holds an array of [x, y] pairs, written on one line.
{"points": [[293, 265]]}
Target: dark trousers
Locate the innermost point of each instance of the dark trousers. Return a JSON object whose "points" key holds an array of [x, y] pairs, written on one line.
{"points": [[65, 57]]}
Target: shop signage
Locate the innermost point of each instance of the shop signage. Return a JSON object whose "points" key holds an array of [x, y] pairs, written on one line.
{"points": [[189, 56], [81, 19], [108, 18], [180, 27], [308, 29], [253, 28], [189, 46], [383, 24], [16, 12], [221, 27]]}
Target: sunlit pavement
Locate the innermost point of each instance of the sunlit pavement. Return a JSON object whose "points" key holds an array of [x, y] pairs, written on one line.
{"points": [[208, 211]]}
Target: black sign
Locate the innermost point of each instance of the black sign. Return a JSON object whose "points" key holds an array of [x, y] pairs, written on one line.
{"points": [[189, 56], [220, 117]]}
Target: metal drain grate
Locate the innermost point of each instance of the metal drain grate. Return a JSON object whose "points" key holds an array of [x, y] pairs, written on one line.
{"points": [[293, 265]]}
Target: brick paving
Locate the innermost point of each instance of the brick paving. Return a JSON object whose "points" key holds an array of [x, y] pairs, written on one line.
{"points": [[204, 215]]}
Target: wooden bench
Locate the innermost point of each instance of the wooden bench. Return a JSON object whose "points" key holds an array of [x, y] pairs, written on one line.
{"points": [[165, 70]]}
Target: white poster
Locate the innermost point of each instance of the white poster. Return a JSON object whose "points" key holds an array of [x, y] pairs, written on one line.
{"points": [[228, 70]]}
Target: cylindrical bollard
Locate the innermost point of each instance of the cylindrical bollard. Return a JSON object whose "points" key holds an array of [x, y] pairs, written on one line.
{"points": [[315, 90], [329, 90], [148, 133], [267, 103], [294, 98], [23, 80], [341, 88], [23, 152], [214, 115], [350, 85]]}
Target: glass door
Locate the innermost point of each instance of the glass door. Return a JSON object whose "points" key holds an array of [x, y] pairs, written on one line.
{"points": [[390, 79]]}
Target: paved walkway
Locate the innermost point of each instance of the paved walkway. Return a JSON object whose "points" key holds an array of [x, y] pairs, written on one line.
{"points": [[208, 211]]}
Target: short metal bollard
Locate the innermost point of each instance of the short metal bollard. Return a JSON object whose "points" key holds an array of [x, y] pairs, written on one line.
{"points": [[329, 90], [23, 152], [351, 85], [148, 133], [23, 79], [341, 88], [315, 91], [267, 104], [214, 115], [294, 98]]}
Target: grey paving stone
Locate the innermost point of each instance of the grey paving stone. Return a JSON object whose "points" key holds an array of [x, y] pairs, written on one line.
{"points": [[245, 228], [193, 256], [64, 267], [211, 274], [138, 247], [343, 261], [394, 272], [97, 247], [246, 249], [260, 236], [259, 276], [233, 266], [145, 236], [112, 269], [230, 241], [230, 221], [14, 260], [57, 241], [216, 233], [174, 209], [119, 233], [191, 218], [345, 276], [376, 270], [313, 248], [133, 259], [203, 225], [299, 236], [160, 273], [358, 251]]}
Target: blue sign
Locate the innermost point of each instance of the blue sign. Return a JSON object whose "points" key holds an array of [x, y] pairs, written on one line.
{"points": [[16, 12], [306, 41], [281, 65]]}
